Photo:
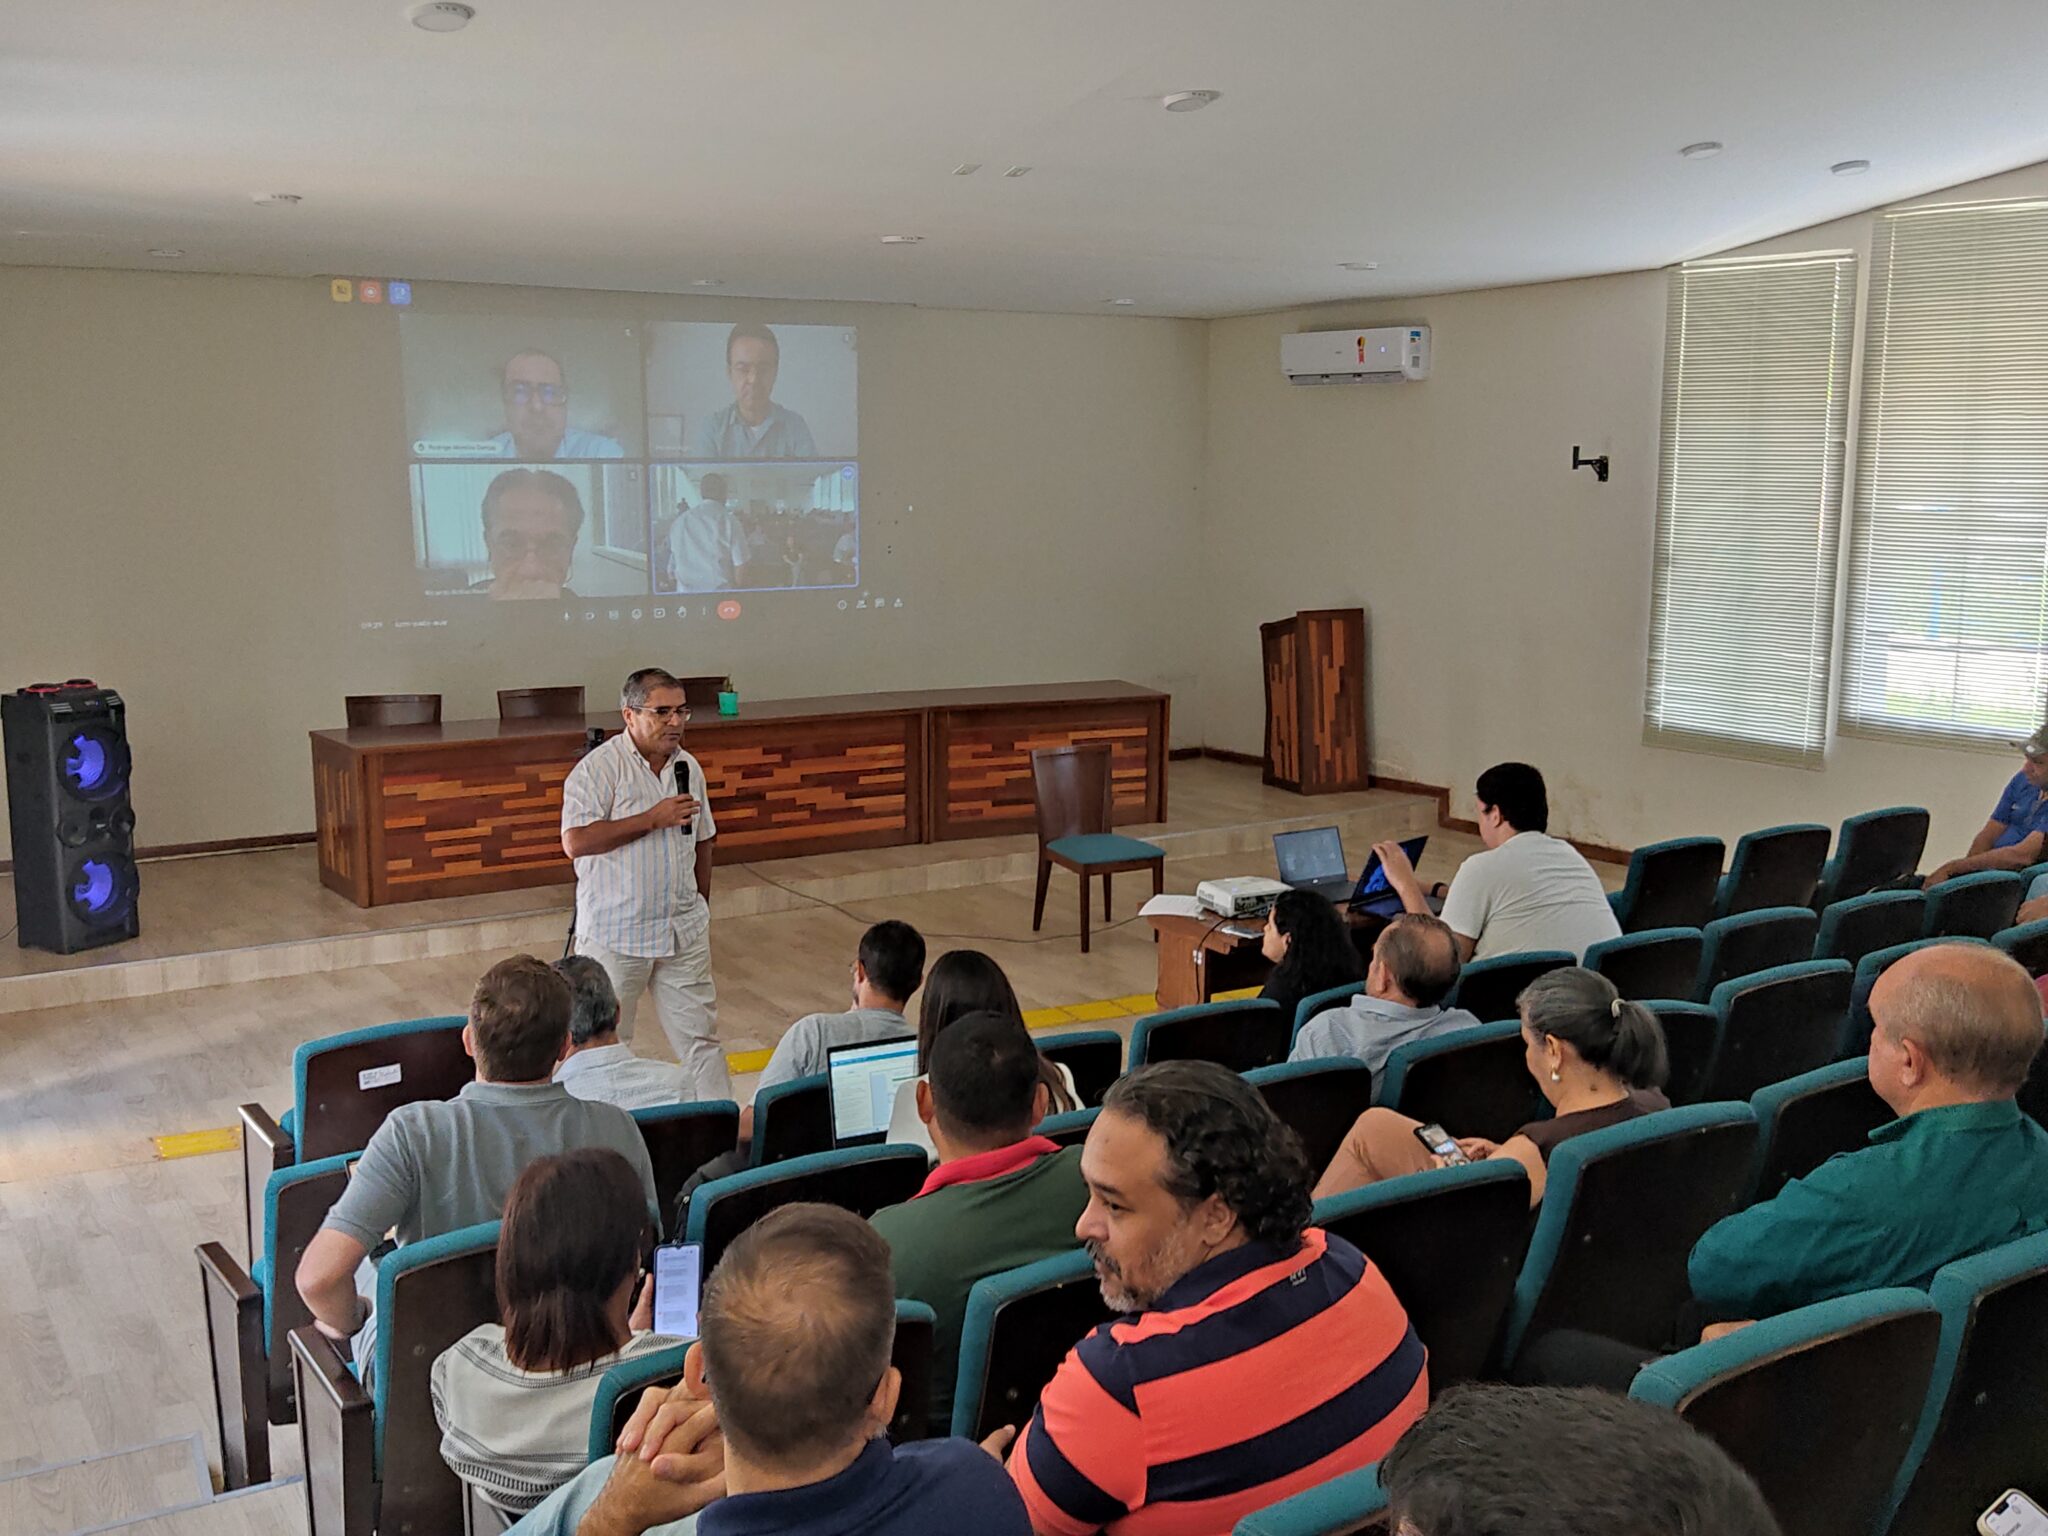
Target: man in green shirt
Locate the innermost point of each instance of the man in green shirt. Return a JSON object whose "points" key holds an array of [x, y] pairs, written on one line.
{"points": [[1961, 1170], [1000, 1197]]}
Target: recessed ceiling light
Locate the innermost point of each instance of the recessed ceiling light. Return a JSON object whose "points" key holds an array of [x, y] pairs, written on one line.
{"points": [[441, 15], [1850, 167], [277, 199], [967, 168], [1359, 266], [902, 239], [1706, 149], [1189, 101], [1119, 301], [165, 252], [707, 282], [1015, 171]]}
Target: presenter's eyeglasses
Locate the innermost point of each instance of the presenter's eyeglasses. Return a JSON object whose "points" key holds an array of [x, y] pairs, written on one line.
{"points": [[546, 394], [664, 711]]}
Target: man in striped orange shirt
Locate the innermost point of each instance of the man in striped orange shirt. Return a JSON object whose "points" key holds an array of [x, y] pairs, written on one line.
{"points": [[1260, 1356]]}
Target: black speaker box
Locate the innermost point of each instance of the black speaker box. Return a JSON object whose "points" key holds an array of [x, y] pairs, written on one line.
{"points": [[68, 770]]}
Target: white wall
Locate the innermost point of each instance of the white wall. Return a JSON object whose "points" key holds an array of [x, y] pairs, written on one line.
{"points": [[196, 464], [1508, 596]]}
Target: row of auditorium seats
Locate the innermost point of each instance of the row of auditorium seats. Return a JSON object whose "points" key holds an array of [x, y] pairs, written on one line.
{"points": [[1823, 1405], [1680, 882], [365, 710], [1756, 1032], [1886, 1413], [1691, 962]]}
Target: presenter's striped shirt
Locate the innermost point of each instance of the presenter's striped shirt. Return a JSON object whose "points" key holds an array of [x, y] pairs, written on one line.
{"points": [[1257, 1375], [642, 897]]}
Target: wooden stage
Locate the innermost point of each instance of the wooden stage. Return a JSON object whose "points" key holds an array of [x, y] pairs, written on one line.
{"points": [[230, 918], [406, 813]]}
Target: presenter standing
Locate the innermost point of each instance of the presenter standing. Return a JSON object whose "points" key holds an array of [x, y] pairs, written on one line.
{"points": [[637, 821]]}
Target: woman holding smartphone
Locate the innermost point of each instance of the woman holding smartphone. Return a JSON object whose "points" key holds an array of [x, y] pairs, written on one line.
{"points": [[1596, 1057], [513, 1398]]}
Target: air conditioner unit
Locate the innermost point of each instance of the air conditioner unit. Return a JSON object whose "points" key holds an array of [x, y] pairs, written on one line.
{"points": [[1356, 357]]}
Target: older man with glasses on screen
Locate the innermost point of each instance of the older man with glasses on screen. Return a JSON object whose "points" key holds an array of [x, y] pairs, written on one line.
{"points": [[532, 518], [536, 392], [636, 818]]}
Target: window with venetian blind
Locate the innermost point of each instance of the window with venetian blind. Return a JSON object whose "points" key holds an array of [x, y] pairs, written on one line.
{"points": [[1749, 505], [1948, 587]]}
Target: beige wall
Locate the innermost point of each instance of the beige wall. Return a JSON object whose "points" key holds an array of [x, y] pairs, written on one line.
{"points": [[1508, 596], [1065, 497], [203, 459]]}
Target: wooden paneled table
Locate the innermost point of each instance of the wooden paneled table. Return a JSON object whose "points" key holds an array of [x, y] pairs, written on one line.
{"points": [[414, 811]]}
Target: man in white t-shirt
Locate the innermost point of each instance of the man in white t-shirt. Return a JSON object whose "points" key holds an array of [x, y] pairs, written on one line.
{"points": [[1527, 890]]}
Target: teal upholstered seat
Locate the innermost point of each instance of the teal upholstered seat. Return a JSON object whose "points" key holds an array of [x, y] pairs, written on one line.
{"points": [[1817, 1404], [1341, 1505], [1104, 848]]}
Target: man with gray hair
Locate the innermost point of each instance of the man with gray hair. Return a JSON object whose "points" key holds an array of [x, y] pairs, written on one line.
{"points": [[600, 1065], [636, 819], [1414, 966], [1961, 1169]]}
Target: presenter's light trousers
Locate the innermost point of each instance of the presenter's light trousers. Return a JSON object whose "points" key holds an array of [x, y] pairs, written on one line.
{"points": [[685, 1001]]}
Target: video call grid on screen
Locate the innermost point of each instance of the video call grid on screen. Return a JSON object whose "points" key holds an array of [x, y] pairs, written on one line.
{"points": [[556, 459]]}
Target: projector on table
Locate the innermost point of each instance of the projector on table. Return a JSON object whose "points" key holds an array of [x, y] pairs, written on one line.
{"points": [[1240, 895]]}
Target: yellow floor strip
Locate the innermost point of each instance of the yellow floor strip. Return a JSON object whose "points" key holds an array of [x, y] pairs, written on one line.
{"points": [[1089, 1012], [1138, 1002], [1045, 1018], [198, 1143], [739, 1063]]}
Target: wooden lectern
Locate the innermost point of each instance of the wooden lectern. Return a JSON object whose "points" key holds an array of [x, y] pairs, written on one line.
{"points": [[1315, 701]]}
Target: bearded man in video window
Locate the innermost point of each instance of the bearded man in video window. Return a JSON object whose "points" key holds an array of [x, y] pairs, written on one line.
{"points": [[532, 518]]}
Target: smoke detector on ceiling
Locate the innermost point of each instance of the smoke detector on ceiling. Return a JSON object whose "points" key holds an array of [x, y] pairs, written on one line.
{"points": [[441, 15]]}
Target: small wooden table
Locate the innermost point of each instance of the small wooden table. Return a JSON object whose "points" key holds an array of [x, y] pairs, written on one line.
{"points": [[1202, 956]]}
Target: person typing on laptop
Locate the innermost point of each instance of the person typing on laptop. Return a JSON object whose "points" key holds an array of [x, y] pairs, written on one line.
{"points": [[1527, 890]]}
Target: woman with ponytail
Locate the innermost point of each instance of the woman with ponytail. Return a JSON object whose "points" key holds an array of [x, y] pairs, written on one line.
{"points": [[1598, 1058]]}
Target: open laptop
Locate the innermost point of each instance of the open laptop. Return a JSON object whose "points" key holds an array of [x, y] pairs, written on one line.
{"points": [[1373, 894], [863, 1080], [1313, 860]]}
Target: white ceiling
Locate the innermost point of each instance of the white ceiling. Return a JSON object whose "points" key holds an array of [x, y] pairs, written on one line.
{"points": [[639, 144]]}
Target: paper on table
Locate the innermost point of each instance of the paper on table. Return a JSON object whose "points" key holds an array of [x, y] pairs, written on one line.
{"points": [[1174, 906]]}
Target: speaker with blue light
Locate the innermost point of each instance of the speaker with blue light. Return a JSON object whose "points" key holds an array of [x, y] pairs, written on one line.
{"points": [[68, 773]]}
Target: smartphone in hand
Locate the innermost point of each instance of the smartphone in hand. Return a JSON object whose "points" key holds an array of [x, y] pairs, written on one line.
{"points": [[677, 1282], [1442, 1143]]}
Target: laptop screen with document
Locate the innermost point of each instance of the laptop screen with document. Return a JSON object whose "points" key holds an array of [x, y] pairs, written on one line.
{"points": [[863, 1080]]}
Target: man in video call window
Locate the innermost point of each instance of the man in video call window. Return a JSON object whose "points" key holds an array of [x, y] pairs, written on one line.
{"points": [[705, 544], [753, 426], [531, 521], [536, 390]]}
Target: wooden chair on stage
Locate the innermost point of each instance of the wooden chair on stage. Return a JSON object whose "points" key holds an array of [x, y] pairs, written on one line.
{"points": [[1071, 787], [703, 692], [540, 703], [372, 709]]}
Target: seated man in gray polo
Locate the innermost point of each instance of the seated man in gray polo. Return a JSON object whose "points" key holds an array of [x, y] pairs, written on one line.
{"points": [[888, 968], [600, 1065], [443, 1164], [1414, 966]]}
